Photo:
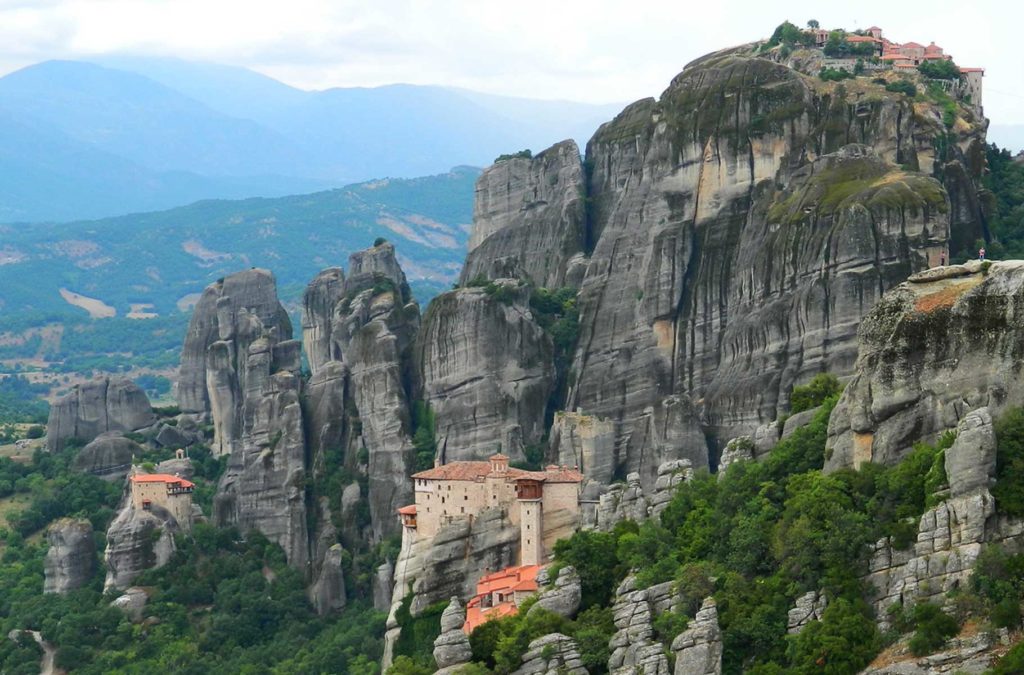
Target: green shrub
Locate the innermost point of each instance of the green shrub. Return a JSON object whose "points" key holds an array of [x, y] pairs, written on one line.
{"points": [[379, 241], [933, 628], [901, 87], [844, 641], [522, 154], [814, 393], [1009, 487], [939, 70], [1012, 662], [834, 74]]}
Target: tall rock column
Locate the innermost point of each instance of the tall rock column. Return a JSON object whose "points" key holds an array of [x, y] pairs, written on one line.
{"points": [[529, 219], [96, 407], [487, 371]]}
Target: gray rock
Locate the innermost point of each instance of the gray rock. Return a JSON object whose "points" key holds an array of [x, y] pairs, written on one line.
{"points": [[327, 592], [564, 597], [634, 649], [321, 297], [552, 654], [108, 456], [916, 341], [808, 607], [971, 461], [451, 648], [132, 602], [798, 421], [96, 407], [739, 449], [663, 309], [487, 372], [137, 541], [382, 587], [236, 309], [173, 437], [698, 649], [585, 442], [177, 467], [71, 559], [529, 218]]}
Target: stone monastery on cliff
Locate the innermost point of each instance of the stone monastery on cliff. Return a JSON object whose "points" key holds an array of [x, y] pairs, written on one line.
{"points": [[464, 489]]}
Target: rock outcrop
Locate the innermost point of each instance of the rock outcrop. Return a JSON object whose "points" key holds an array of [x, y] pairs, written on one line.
{"points": [[951, 535], [97, 407], [108, 456], [529, 219], [487, 372], [327, 593], [322, 295], [698, 649], [632, 502], [808, 607], [552, 654], [586, 442], [634, 649], [137, 541], [451, 648], [920, 338], [70, 561], [132, 602], [238, 309], [564, 596]]}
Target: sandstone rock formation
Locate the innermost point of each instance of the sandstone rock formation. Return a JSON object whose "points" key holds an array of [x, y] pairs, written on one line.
{"points": [[564, 595], [137, 541], [132, 602], [631, 502], [239, 308], [969, 654], [71, 559], [327, 593], [552, 654], [586, 442], [529, 219], [451, 648], [698, 649], [808, 607], [921, 337], [96, 407], [634, 650], [358, 332], [487, 372], [108, 456], [263, 486], [950, 535]]}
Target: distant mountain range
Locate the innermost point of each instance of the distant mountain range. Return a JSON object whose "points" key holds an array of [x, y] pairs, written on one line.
{"points": [[120, 135], [156, 264]]}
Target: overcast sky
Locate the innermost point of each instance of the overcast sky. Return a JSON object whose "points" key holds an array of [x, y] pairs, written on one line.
{"points": [[593, 50]]}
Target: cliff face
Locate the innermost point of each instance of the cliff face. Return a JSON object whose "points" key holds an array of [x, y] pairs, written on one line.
{"points": [[487, 371], [739, 240], [359, 332], [237, 309], [71, 559], [944, 342], [97, 407], [529, 219]]}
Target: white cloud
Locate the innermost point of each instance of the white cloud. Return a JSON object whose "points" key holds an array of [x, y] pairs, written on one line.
{"points": [[596, 50]]}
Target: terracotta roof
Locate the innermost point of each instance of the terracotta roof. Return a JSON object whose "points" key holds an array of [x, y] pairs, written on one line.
{"points": [[972, 70], [903, 65], [476, 616], [162, 478], [861, 38], [408, 510], [522, 579], [913, 45], [895, 57]]}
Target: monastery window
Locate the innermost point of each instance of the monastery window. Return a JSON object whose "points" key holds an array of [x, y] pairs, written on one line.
{"points": [[465, 498], [463, 509]]}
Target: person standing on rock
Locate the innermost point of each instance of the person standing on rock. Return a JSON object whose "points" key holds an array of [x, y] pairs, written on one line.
{"points": [[942, 259], [981, 254]]}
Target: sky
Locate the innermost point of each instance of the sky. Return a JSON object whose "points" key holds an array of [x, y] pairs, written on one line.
{"points": [[596, 51]]}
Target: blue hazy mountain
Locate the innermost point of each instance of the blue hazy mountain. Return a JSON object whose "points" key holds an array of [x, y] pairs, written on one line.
{"points": [[87, 140]]}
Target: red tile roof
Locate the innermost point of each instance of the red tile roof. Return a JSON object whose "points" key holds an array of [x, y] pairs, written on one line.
{"points": [[522, 579], [912, 45], [972, 70], [861, 38], [408, 510], [162, 478]]}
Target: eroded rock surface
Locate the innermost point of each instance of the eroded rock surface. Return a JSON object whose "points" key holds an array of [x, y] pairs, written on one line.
{"points": [[96, 407], [108, 456], [451, 648], [487, 372], [565, 594], [552, 654], [71, 559], [698, 649], [529, 219], [919, 340], [137, 541], [634, 649]]}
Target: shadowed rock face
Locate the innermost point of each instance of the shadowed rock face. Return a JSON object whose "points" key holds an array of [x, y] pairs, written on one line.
{"points": [[238, 309], [109, 456], [961, 327], [96, 407], [358, 331], [137, 541], [529, 218], [487, 372], [739, 239], [71, 560]]}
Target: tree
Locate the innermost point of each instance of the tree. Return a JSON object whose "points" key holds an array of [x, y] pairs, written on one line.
{"points": [[379, 241], [1009, 487], [813, 24], [942, 69], [814, 393]]}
